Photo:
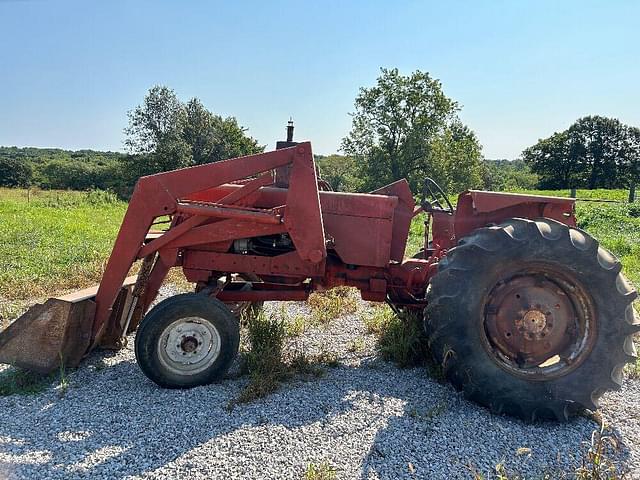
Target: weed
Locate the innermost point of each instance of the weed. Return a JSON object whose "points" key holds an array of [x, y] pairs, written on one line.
{"points": [[501, 472], [266, 363], [266, 335], [476, 475], [356, 346], [8, 311], [328, 358], [15, 381], [596, 463], [378, 319], [633, 369], [301, 364], [320, 471], [329, 305], [431, 413], [63, 381], [295, 326], [400, 337]]}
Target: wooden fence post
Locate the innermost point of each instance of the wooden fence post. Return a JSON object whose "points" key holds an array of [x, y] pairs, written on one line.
{"points": [[632, 192]]}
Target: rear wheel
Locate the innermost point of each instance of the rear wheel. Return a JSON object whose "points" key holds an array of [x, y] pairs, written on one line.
{"points": [[531, 318], [187, 340]]}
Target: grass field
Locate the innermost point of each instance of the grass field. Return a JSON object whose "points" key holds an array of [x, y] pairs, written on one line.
{"points": [[53, 241]]}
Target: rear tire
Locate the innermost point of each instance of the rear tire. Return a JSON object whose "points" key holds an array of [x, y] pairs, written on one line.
{"points": [[532, 319], [187, 340]]}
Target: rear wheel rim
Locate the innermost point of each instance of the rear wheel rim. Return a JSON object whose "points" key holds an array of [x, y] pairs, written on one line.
{"points": [[538, 323], [189, 346]]}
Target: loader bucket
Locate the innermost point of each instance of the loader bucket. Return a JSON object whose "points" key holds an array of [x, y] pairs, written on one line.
{"points": [[56, 331], [59, 331]]}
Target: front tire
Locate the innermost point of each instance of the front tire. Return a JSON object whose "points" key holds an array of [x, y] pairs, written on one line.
{"points": [[531, 318], [187, 340]]}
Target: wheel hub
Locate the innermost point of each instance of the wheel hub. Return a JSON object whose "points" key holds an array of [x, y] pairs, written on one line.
{"points": [[189, 345], [534, 320]]}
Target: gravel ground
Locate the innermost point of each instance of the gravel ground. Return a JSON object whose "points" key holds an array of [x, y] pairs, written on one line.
{"points": [[365, 417]]}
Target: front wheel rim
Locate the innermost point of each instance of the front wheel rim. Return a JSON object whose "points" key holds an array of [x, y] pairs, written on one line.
{"points": [[538, 323], [189, 346]]}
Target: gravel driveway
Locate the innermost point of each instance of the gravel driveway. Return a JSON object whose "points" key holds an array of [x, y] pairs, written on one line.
{"points": [[365, 417]]}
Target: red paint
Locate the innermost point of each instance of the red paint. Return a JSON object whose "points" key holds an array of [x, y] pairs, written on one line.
{"points": [[330, 238]]}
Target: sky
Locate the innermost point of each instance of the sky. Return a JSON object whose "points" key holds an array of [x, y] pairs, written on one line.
{"points": [[70, 70]]}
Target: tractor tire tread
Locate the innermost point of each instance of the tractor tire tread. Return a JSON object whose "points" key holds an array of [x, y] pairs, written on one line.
{"points": [[448, 317]]}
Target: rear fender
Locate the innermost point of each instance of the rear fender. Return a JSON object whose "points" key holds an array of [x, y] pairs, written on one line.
{"points": [[476, 209]]}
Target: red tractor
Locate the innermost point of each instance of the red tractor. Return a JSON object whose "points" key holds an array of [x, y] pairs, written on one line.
{"points": [[525, 313]]}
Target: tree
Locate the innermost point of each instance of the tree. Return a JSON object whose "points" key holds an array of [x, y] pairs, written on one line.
{"points": [[165, 134], [457, 155], [14, 173], [155, 134], [62, 175], [341, 172], [550, 158], [594, 152], [508, 175], [403, 127]]}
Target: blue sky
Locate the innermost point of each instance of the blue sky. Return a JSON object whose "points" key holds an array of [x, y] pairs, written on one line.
{"points": [[70, 70]]}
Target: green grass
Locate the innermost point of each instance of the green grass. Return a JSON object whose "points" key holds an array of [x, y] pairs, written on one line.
{"points": [[400, 338], [320, 471], [326, 306], [15, 381], [267, 361], [54, 241]]}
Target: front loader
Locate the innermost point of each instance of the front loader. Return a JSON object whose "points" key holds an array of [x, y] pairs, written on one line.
{"points": [[526, 313]]}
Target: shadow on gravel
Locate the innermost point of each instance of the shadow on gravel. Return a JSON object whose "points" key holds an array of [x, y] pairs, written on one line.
{"points": [[374, 421]]}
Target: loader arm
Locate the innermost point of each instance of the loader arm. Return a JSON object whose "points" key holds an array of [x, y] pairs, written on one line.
{"points": [[168, 193], [203, 211]]}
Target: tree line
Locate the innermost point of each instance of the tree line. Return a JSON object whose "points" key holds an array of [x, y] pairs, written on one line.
{"points": [[594, 152], [403, 126]]}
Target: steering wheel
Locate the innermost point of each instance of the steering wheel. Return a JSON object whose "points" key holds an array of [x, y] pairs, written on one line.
{"points": [[431, 196]]}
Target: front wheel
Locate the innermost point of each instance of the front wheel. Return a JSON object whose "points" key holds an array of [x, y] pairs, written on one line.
{"points": [[531, 318], [187, 340]]}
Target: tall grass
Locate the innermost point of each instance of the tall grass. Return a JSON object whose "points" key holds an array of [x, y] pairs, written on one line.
{"points": [[54, 241]]}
